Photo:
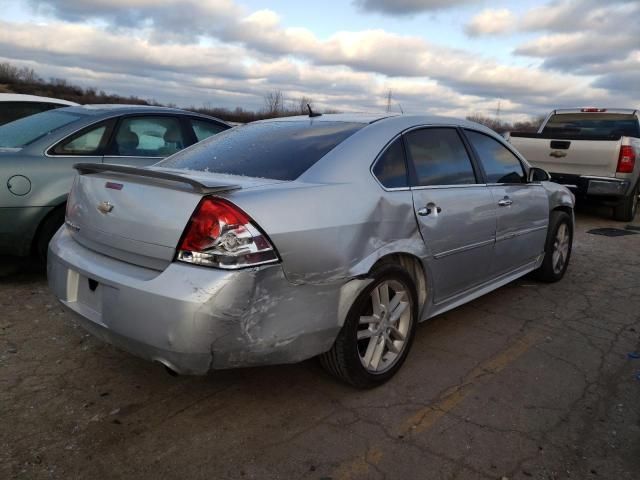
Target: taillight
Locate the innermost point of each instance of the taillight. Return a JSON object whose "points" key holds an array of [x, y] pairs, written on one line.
{"points": [[627, 159], [593, 110], [221, 235]]}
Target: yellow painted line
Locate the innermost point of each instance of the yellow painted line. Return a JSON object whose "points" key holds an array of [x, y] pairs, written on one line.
{"points": [[426, 417]]}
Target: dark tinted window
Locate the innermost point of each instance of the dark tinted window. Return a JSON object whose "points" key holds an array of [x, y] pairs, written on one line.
{"points": [[279, 150], [439, 157], [577, 125], [500, 165], [10, 111], [29, 129], [391, 169]]}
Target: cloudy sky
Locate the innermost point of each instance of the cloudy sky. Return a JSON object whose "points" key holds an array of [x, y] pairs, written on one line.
{"points": [[452, 57]]}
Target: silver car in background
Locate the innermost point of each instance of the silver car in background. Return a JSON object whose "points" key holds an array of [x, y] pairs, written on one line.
{"points": [[286, 239]]}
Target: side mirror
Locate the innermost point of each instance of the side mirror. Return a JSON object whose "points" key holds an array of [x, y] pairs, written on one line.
{"points": [[538, 175]]}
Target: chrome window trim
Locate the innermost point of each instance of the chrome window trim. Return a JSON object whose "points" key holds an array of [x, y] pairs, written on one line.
{"points": [[390, 142], [440, 187]]}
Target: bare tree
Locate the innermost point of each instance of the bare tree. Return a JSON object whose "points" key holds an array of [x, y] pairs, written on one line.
{"points": [[274, 103]]}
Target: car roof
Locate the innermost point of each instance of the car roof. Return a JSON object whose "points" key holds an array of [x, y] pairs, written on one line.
{"points": [[386, 118], [97, 109], [19, 97], [108, 110]]}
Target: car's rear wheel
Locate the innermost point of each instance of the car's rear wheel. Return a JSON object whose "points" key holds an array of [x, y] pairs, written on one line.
{"points": [[378, 331], [626, 211], [46, 231], [557, 248]]}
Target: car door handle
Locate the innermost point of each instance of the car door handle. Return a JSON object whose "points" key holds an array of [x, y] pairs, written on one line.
{"points": [[430, 209], [505, 202]]}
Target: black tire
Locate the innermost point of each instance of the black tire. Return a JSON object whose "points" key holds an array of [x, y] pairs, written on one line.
{"points": [[548, 272], [627, 209], [344, 359], [47, 229]]}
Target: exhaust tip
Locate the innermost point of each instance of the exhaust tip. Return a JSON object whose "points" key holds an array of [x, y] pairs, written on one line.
{"points": [[167, 367]]}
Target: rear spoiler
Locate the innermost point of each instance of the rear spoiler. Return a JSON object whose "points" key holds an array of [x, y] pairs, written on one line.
{"points": [[199, 186]]}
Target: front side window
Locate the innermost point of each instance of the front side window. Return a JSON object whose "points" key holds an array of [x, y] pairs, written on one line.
{"points": [[148, 137], [391, 169], [500, 165], [27, 130], [203, 129], [280, 150], [439, 157], [84, 143]]}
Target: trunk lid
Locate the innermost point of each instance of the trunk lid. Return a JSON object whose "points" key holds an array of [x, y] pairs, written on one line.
{"points": [[570, 156], [139, 214]]}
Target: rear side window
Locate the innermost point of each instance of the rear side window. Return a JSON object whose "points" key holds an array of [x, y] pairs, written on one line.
{"points": [[278, 150], [439, 157], [203, 129], [88, 142], [391, 168], [500, 165], [587, 125]]}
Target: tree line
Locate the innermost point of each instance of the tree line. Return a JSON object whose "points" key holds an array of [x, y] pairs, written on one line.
{"points": [[25, 80]]}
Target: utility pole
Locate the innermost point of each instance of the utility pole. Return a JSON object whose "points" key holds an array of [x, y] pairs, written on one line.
{"points": [[389, 101], [498, 112]]}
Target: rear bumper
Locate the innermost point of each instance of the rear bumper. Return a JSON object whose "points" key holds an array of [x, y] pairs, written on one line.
{"points": [[193, 319], [592, 185]]}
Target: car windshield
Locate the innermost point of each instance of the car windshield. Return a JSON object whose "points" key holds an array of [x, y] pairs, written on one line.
{"points": [[609, 125], [26, 130], [281, 150]]}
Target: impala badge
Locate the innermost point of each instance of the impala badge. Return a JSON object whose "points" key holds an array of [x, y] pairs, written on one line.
{"points": [[105, 207]]}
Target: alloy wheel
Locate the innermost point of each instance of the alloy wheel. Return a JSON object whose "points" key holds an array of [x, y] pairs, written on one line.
{"points": [[384, 326], [560, 248]]}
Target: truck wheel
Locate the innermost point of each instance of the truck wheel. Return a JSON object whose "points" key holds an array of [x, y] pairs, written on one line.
{"points": [[378, 331], [626, 211], [557, 250]]}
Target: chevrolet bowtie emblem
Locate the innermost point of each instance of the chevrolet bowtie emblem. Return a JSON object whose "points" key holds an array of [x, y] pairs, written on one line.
{"points": [[558, 154], [105, 207]]}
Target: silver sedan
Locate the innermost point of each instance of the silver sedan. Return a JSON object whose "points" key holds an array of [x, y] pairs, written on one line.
{"points": [[281, 240]]}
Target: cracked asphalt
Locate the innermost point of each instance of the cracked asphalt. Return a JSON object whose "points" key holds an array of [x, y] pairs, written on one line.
{"points": [[530, 381]]}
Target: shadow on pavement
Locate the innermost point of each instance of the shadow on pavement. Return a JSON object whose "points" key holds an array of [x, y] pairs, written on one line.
{"points": [[21, 269]]}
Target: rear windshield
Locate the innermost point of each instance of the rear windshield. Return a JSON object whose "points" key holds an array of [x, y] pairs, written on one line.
{"points": [[587, 125], [26, 130], [278, 150]]}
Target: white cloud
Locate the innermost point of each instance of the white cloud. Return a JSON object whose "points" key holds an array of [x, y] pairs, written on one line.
{"points": [[220, 52], [491, 22]]}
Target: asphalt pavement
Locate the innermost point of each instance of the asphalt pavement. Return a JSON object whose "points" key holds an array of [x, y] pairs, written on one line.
{"points": [[531, 381]]}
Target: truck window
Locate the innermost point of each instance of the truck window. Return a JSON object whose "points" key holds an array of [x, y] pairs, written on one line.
{"points": [[585, 125]]}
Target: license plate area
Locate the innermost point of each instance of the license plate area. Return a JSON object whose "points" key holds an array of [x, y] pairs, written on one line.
{"points": [[90, 293]]}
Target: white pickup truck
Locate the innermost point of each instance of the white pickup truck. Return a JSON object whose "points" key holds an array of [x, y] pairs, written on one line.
{"points": [[593, 151]]}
